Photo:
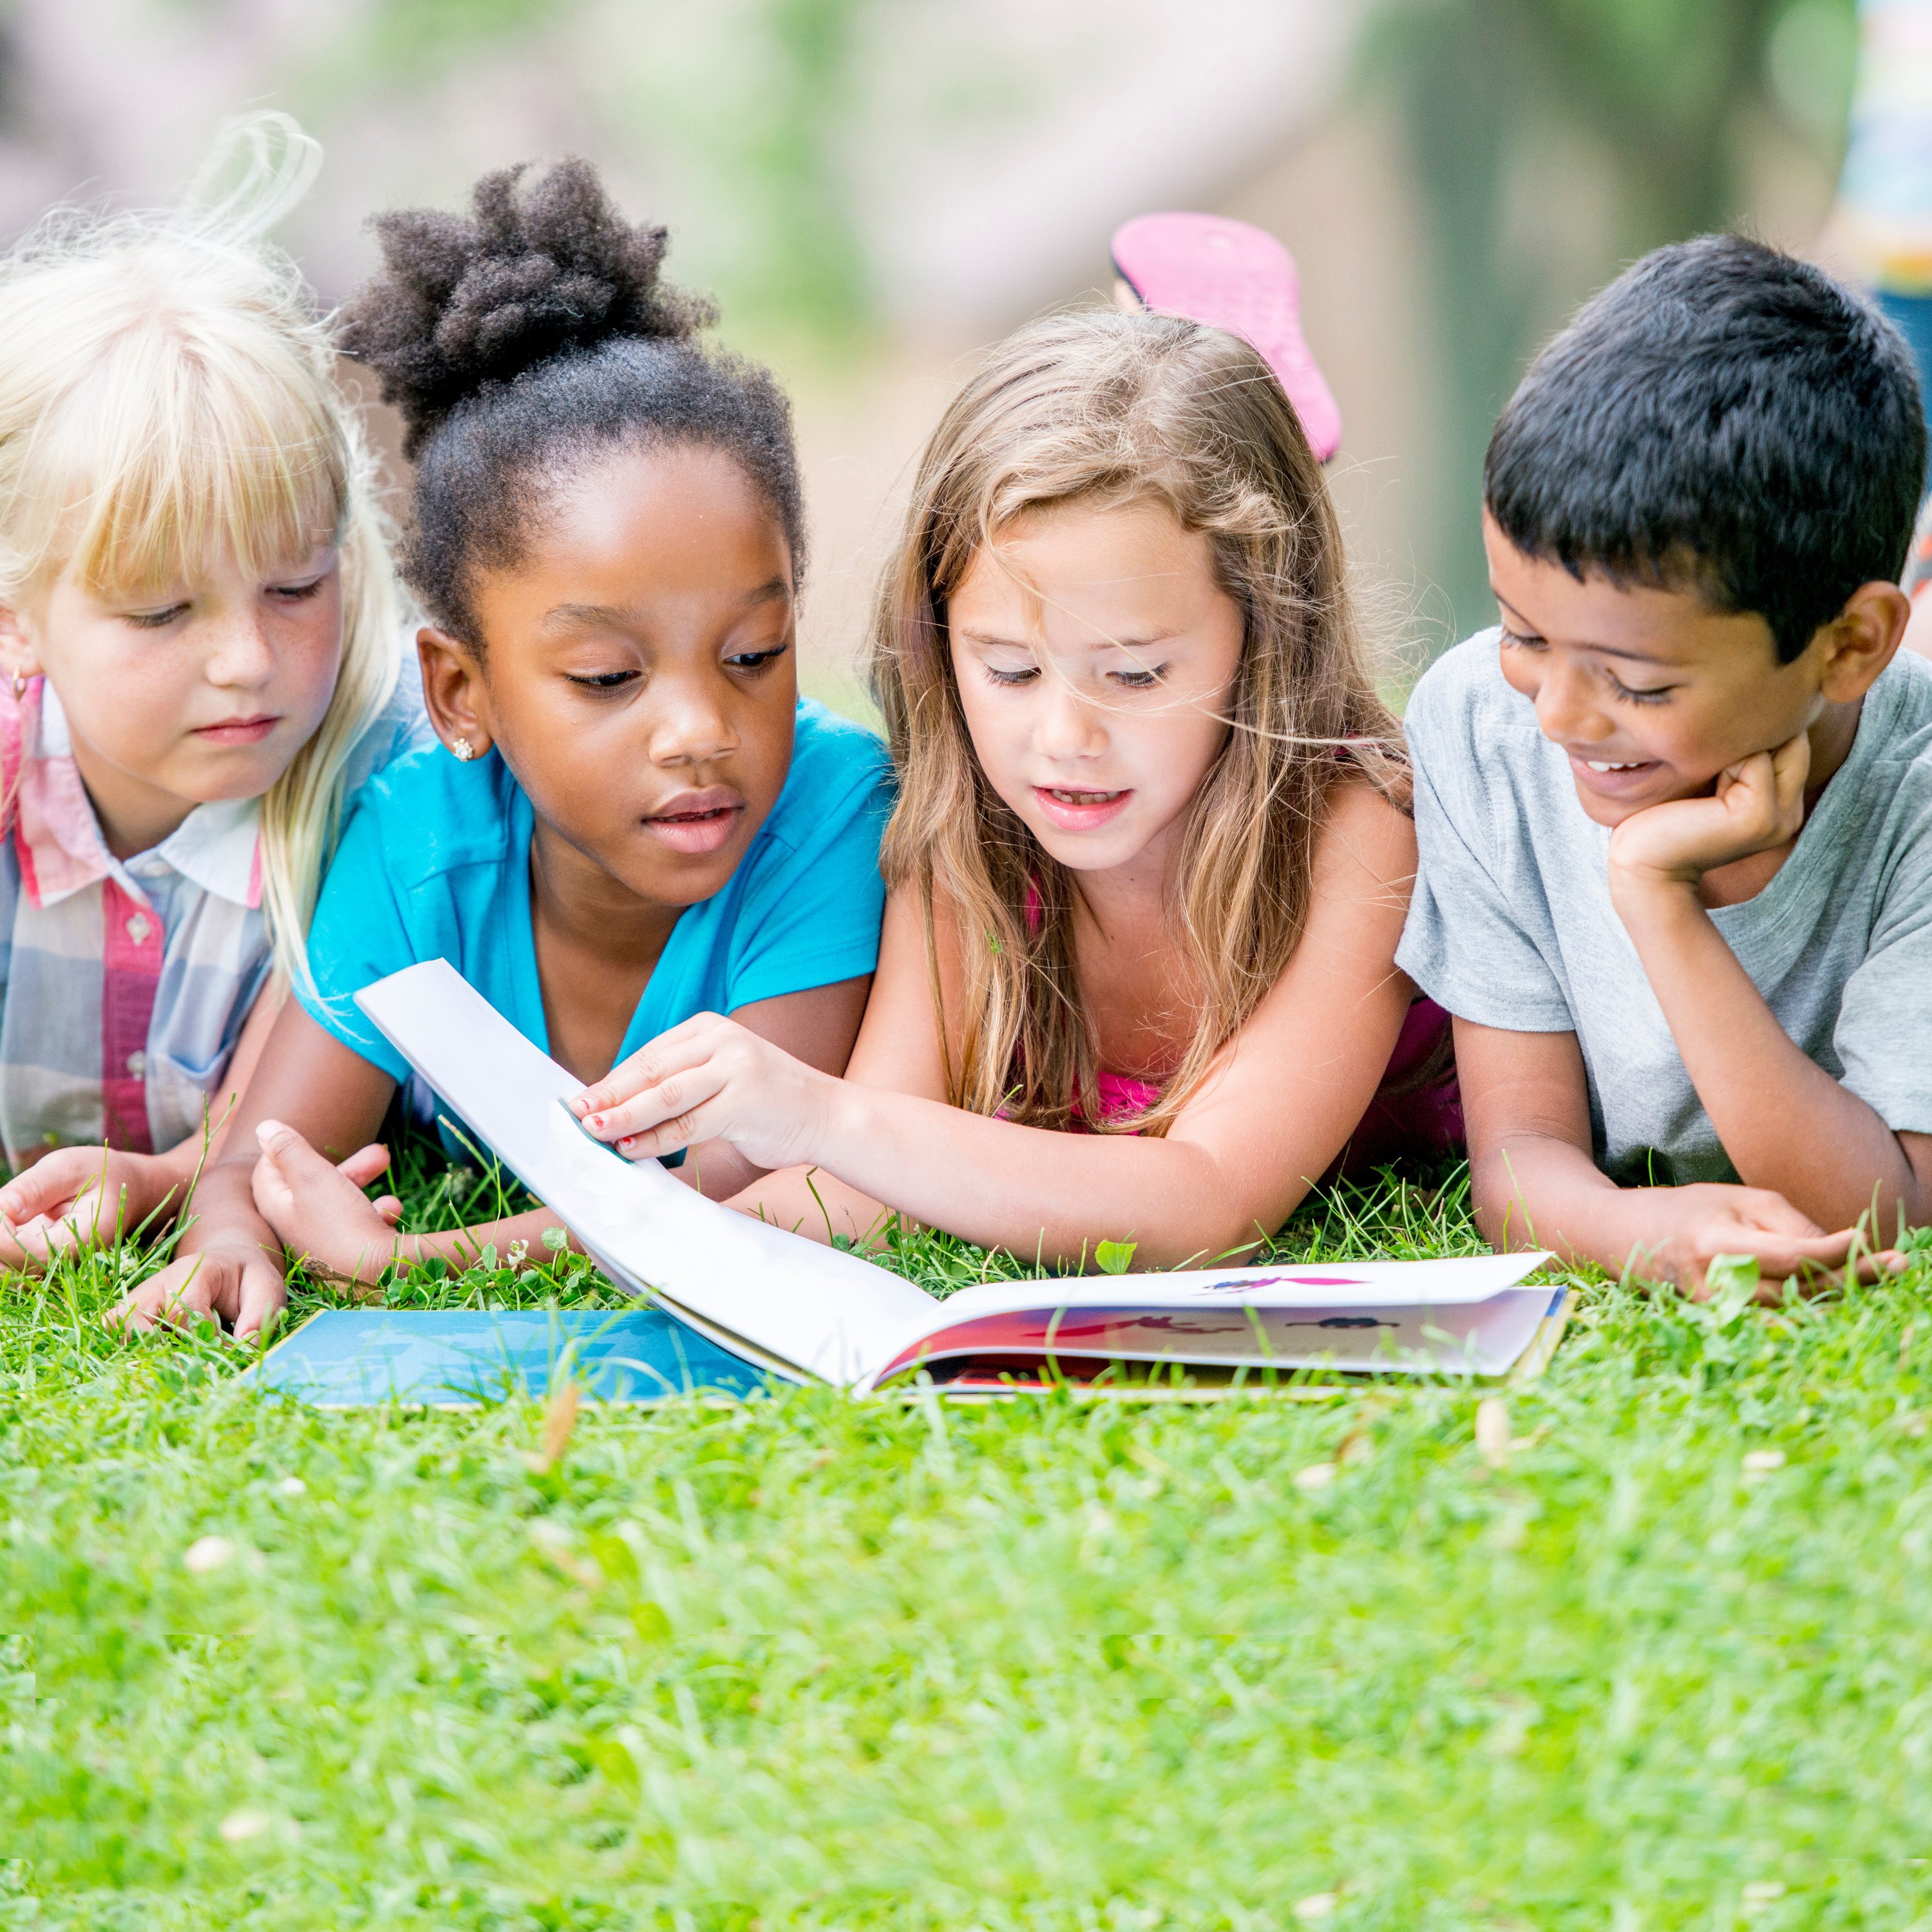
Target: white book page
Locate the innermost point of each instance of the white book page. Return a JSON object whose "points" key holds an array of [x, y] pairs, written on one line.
{"points": [[1434, 1284], [821, 1312]]}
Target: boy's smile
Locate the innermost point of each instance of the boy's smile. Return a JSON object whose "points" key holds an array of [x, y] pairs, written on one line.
{"points": [[1652, 693]]}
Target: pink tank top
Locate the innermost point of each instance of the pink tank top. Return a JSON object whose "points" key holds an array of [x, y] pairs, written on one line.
{"points": [[1417, 1109]]}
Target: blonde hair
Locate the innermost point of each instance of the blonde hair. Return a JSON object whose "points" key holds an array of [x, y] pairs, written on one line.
{"points": [[167, 391], [1110, 408]]}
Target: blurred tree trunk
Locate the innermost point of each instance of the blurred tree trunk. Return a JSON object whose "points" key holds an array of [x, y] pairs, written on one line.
{"points": [[1660, 91]]}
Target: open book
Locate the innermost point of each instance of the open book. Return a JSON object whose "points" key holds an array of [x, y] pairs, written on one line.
{"points": [[807, 1311]]}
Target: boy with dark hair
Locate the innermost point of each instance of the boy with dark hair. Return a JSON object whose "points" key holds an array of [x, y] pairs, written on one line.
{"points": [[1675, 815]]}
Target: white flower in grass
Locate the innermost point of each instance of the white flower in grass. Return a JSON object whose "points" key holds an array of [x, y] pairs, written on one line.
{"points": [[292, 1486], [1492, 1431], [209, 1552], [1316, 1905], [518, 1250], [1316, 1476], [1762, 1461], [239, 1827]]}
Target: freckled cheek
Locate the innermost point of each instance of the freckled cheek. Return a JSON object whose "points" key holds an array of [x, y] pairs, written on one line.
{"points": [[307, 643], [134, 705]]}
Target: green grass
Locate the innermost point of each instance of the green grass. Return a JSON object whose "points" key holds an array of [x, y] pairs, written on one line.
{"points": [[812, 1663]]}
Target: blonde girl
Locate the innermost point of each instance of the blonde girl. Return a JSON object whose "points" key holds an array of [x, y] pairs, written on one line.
{"points": [[199, 648], [1150, 858]]}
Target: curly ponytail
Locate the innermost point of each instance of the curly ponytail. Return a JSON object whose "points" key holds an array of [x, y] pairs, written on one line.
{"points": [[529, 338]]}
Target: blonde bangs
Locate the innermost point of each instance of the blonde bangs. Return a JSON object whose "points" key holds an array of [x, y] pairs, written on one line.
{"points": [[167, 401], [182, 448]]}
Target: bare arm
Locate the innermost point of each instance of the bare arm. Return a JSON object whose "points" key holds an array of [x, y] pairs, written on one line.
{"points": [[1786, 1124], [1537, 1185], [1286, 1095]]}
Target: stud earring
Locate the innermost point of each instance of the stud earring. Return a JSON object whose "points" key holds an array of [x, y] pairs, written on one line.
{"points": [[463, 748]]}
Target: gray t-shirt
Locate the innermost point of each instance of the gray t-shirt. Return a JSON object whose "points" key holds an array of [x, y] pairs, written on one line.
{"points": [[1511, 924]]}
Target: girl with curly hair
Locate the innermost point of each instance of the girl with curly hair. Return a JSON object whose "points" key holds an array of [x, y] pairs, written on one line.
{"points": [[1151, 853], [631, 817]]}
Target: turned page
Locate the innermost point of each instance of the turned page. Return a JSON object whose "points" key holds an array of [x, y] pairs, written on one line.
{"points": [[789, 1303]]}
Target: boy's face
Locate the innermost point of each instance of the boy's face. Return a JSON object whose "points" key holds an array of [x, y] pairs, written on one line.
{"points": [[1651, 693]]}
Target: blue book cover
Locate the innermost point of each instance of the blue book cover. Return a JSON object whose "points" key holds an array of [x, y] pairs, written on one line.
{"points": [[457, 1358]]}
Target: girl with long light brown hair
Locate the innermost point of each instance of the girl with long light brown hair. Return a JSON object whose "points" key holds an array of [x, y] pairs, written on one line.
{"points": [[1150, 856]]}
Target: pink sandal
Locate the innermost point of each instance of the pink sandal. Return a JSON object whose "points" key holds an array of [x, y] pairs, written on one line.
{"points": [[1239, 278]]}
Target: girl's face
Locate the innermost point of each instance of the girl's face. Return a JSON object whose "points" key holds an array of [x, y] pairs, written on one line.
{"points": [[638, 674], [1095, 657], [203, 689]]}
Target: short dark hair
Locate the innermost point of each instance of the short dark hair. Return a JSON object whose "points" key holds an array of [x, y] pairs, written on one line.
{"points": [[1723, 417], [532, 336]]}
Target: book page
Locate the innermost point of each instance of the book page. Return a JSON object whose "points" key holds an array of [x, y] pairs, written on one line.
{"points": [[1463, 1279], [819, 1312]]}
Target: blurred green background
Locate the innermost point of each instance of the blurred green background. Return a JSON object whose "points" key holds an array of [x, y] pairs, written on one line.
{"points": [[875, 189]]}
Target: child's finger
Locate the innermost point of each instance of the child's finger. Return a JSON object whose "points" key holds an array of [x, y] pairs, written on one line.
{"points": [[53, 1237], [1878, 1267], [1771, 1213], [273, 1194], [1791, 763], [365, 1163], [130, 1314], [678, 1092], [687, 1044], [30, 1237], [683, 1128], [53, 1181], [263, 1293], [179, 1294], [1826, 1256], [1752, 794]]}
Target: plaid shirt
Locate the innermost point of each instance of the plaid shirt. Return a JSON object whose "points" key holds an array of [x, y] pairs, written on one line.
{"points": [[124, 983]]}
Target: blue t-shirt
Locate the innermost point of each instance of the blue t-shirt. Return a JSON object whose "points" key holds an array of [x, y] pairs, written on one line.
{"points": [[434, 863]]}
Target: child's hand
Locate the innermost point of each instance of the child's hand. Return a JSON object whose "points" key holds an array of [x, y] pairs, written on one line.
{"points": [[1759, 804], [78, 1197], [712, 1079], [236, 1282], [319, 1210], [239, 1285], [1696, 1224]]}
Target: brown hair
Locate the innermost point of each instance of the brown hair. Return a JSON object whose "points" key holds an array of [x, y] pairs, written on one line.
{"points": [[1119, 408]]}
